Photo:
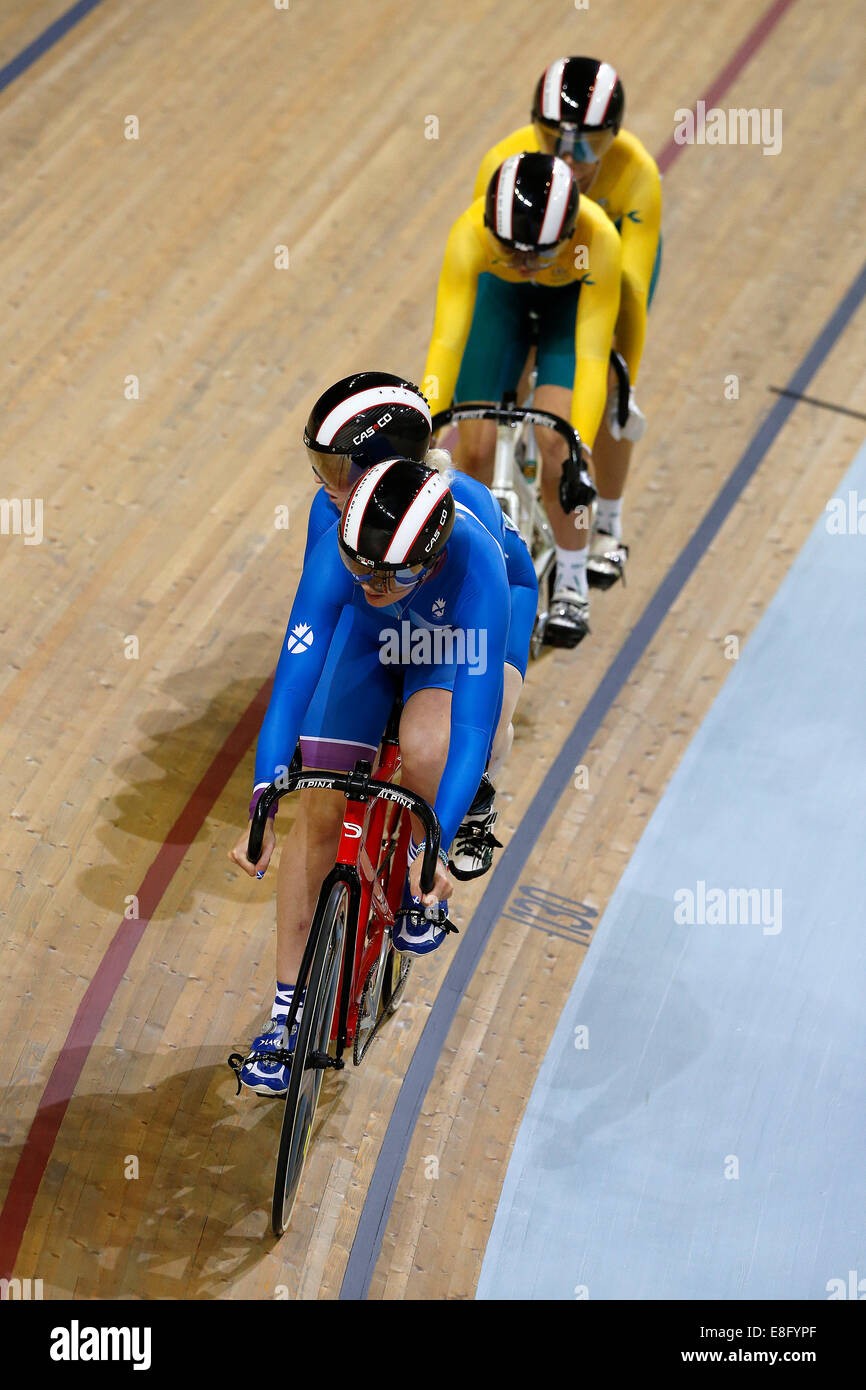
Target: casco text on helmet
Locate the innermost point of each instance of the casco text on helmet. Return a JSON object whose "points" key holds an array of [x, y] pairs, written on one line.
{"points": [[363, 419]]}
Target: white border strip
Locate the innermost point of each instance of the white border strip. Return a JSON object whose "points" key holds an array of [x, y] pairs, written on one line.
{"points": [[557, 203], [407, 532], [366, 400], [551, 91], [602, 92]]}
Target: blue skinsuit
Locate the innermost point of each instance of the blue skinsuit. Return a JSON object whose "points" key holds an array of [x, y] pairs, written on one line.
{"points": [[339, 671]]}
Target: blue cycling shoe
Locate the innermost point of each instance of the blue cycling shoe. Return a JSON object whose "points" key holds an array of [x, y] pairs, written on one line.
{"points": [[419, 930], [265, 1069]]}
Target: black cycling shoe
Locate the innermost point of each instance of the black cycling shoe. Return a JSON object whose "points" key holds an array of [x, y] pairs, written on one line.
{"points": [[568, 621]]}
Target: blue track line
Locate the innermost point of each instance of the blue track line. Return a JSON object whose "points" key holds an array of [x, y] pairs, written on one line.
{"points": [[47, 39], [395, 1146]]}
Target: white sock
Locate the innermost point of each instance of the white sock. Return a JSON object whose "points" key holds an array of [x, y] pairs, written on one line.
{"points": [[571, 570], [282, 1000], [608, 516]]}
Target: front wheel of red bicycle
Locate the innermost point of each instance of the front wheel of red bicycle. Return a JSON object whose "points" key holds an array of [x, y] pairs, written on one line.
{"points": [[314, 1033]]}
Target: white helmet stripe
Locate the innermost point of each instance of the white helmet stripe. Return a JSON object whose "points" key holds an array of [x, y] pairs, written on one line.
{"points": [[602, 91], [410, 527], [367, 400], [505, 195], [357, 505], [557, 204], [551, 91]]}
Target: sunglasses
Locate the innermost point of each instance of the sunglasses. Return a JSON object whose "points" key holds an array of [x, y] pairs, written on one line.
{"points": [[383, 581], [583, 149]]}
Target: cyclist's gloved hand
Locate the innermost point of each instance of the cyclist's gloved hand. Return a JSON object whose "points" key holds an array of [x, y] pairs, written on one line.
{"points": [[634, 427]]}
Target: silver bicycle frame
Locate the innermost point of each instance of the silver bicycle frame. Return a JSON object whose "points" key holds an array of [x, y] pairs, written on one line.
{"points": [[520, 499]]}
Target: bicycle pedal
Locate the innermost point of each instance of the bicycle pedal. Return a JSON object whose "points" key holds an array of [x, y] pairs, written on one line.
{"points": [[322, 1061], [427, 914], [236, 1061]]}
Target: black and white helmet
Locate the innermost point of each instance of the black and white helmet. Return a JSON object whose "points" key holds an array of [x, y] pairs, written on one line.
{"points": [[531, 202], [363, 419], [578, 108], [396, 521]]}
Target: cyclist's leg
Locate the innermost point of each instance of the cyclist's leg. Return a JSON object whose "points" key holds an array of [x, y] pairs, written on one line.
{"points": [[425, 736], [337, 729], [425, 731], [568, 622], [494, 353], [553, 453], [523, 594], [512, 689], [612, 457], [557, 314], [476, 444]]}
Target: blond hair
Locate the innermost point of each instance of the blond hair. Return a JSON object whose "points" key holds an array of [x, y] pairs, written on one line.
{"points": [[440, 459]]}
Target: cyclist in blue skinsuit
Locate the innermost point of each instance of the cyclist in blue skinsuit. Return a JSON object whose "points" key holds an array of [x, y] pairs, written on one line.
{"points": [[336, 681], [333, 621]]}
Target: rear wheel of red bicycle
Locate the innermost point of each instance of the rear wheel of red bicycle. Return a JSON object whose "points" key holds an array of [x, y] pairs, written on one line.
{"points": [[314, 1033]]}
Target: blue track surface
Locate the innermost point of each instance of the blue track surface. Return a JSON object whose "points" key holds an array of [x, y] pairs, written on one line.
{"points": [[722, 1047]]}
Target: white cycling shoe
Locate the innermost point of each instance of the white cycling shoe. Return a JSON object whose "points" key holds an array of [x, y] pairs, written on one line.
{"points": [[474, 843], [568, 620], [606, 561]]}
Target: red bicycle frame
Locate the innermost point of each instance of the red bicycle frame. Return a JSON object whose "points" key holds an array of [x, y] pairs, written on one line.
{"points": [[369, 828], [367, 848]]}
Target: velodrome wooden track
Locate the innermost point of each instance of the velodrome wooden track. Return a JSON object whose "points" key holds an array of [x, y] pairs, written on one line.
{"points": [[155, 258]]}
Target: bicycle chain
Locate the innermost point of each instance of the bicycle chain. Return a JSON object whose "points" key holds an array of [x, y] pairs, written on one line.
{"points": [[359, 1055]]}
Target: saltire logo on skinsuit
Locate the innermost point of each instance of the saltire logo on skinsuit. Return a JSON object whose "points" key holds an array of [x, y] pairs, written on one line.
{"points": [[300, 639]]}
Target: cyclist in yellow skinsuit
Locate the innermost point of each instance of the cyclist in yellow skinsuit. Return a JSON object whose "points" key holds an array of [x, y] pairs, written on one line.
{"points": [[530, 245], [577, 114]]}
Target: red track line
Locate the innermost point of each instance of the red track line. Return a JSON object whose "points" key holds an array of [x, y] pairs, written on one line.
{"points": [[101, 990], [729, 74], [88, 1020]]}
